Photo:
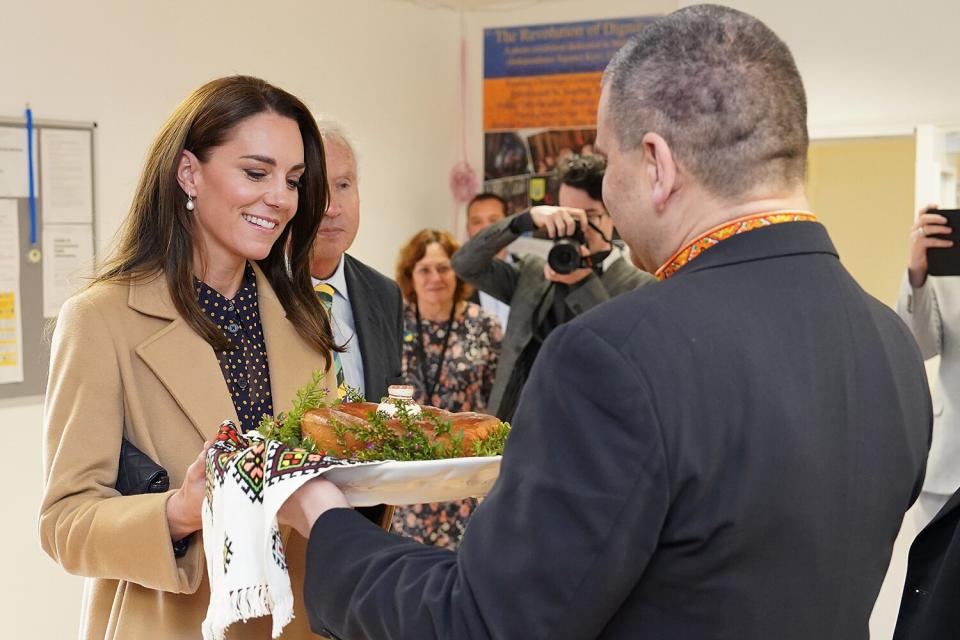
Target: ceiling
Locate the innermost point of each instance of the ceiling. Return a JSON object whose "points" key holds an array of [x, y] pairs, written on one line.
{"points": [[476, 5]]}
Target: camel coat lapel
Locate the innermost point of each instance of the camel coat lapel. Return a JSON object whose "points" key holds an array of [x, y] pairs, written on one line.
{"points": [[188, 368], [183, 361]]}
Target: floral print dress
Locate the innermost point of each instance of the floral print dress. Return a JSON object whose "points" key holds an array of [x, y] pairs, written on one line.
{"points": [[462, 382]]}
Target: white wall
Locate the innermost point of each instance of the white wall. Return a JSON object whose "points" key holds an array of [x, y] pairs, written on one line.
{"points": [[384, 68], [35, 593], [869, 65]]}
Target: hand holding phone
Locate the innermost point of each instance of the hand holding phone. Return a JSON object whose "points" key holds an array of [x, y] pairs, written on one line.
{"points": [[937, 237]]}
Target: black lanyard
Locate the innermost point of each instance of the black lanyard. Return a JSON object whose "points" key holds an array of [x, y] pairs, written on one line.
{"points": [[422, 353]]}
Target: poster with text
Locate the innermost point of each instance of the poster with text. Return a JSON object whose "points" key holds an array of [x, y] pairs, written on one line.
{"points": [[541, 88]]}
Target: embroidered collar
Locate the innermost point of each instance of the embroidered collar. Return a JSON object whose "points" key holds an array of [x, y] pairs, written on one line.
{"points": [[728, 230]]}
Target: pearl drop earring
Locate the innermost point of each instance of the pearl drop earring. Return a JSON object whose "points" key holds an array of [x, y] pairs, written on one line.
{"points": [[190, 204]]}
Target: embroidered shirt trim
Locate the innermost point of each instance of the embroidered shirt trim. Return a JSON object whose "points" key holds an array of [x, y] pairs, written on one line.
{"points": [[727, 230]]}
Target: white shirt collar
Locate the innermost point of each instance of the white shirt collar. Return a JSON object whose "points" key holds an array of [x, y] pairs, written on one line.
{"points": [[615, 254], [338, 280]]}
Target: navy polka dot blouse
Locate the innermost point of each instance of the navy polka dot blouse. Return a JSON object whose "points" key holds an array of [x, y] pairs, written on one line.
{"points": [[244, 367]]}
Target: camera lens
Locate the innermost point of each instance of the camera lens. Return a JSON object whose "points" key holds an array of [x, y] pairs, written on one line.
{"points": [[564, 256]]}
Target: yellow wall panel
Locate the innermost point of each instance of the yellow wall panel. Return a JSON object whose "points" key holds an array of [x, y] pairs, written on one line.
{"points": [[862, 191]]}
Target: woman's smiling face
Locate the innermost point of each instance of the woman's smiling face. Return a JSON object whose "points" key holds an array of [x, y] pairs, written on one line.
{"points": [[247, 189]]}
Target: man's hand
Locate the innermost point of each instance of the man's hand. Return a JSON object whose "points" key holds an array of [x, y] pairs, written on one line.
{"points": [[308, 503], [558, 222]]}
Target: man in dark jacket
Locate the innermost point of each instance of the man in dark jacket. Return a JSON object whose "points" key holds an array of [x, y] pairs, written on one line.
{"points": [[725, 455]]}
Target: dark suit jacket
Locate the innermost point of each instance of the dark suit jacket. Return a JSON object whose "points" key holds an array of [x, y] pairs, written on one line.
{"points": [[378, 315], [522, 286], [726, 455], [930, 607]]}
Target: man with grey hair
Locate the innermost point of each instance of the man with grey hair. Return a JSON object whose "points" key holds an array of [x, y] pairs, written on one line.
{"points": [[725, 455], [365, 306]]}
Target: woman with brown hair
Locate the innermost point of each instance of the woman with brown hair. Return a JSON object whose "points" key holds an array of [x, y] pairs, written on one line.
{"points": [[450, 351], [197, 318]]}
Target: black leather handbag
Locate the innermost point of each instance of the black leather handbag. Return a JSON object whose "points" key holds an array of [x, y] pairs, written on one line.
{"points": [[138, 474]]}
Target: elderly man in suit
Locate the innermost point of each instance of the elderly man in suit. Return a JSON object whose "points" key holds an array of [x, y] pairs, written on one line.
{"points": [[725, 455], [365, 306], [541, 299]]}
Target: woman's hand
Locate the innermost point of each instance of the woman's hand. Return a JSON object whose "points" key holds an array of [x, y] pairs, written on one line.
{"points": [[183, 507], [928, 224]]}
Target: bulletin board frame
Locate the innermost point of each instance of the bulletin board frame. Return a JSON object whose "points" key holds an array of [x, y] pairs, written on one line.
{"points": [[37, 329]]}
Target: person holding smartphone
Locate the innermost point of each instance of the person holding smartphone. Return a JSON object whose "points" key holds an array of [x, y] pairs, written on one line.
{"points": [[930, 306]]}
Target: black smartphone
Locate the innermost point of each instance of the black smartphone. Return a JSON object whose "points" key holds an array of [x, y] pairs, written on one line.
{"points": [[946, 261]]}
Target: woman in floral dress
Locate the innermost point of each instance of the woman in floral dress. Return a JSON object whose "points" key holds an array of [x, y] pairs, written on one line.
{"points": [[450, 355]]}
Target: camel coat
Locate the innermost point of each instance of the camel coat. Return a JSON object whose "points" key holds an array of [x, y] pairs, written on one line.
{"points": [[125, 363]]}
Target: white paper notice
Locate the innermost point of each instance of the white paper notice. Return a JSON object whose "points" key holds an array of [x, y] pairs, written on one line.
{"points": [[67, 193], [67, 263], [14, 178], [11, 322]]}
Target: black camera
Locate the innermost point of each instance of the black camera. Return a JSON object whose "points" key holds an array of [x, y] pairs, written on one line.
{"points": [[564, 256]]}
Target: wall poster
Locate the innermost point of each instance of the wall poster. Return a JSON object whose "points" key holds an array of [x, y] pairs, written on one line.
{"points": [[541, 88]]}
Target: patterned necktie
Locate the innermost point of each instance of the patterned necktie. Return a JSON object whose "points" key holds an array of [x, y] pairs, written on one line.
{"points": [[325, 291]]}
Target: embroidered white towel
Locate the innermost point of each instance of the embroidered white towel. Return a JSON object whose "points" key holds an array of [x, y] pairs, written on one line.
{"points": [[248, 480]]}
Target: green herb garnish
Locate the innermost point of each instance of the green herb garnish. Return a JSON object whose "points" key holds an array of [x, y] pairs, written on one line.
{"points": [[493, 443], [378, 441], [353, 395], [286, 426]]}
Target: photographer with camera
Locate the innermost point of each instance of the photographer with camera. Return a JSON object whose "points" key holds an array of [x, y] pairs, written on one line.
{"points": [[584, 268]]}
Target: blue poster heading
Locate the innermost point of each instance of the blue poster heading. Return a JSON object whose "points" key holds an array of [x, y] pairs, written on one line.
{"points": [[547, 49]]}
